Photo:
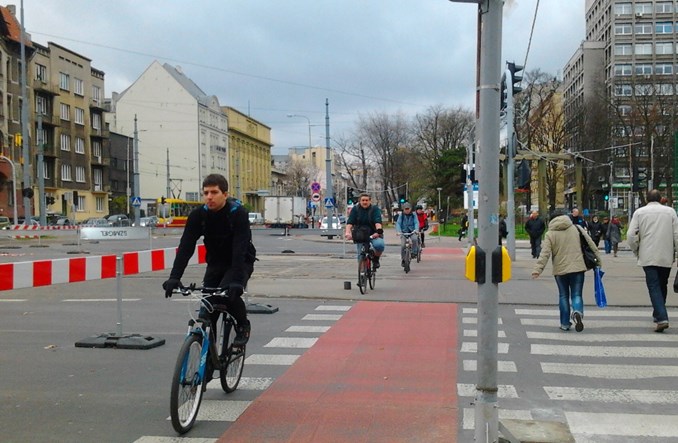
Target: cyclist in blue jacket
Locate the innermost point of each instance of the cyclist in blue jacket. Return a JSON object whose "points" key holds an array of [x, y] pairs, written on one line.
{"points": [[407, 222]]}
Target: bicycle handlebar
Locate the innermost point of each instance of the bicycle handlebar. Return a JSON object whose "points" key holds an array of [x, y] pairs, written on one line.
{"points": [[188, 290]]}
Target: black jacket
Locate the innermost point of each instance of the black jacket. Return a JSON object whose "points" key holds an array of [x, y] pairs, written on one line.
{"points": [[535, 227], [226, 234]]}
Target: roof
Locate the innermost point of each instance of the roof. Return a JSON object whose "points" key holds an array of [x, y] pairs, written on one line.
{"points": [[188, 84], [11, 27]]}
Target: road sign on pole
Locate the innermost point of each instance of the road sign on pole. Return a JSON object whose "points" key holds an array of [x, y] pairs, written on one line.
{"points": [[315, 197], [315, 187], [136, 202]]}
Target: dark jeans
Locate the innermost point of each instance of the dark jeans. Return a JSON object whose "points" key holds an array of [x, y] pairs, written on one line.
{"points": [[535, 243], [570, 287], [220, 276], [657, 279], [608, 246]]}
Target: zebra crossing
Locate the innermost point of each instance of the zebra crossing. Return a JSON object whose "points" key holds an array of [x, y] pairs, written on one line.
{"points": [[613, 382], [286, 349]]}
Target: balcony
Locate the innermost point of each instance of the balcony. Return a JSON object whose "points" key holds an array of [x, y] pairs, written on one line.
{"points": [[97, 104], [98, 187], [45, 87], [100, 133], [98, 160], [50, 150], [49, 119]]}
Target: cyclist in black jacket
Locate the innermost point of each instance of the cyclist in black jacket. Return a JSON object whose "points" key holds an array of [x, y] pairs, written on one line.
{"points": [[225, 226]]}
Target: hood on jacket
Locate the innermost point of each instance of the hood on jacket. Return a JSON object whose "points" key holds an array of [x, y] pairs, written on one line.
{"points": [[560, 223]]}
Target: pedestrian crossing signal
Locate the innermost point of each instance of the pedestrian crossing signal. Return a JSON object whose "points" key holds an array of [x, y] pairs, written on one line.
{"points": [[607, 197], [402, 199]]}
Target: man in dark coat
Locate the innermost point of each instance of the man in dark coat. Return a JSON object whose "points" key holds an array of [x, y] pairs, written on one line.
{"points": [[535, 228]]}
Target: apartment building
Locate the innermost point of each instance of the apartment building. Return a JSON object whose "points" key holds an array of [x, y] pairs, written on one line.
{"points": [[629, 57]]}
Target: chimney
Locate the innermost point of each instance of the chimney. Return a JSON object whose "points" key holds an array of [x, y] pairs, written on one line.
{"points": [[12, 9]]}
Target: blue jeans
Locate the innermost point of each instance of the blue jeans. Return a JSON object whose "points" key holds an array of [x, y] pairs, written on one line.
{"points": [[570, 287], [608, 246], [657, 279], [377, 244]]}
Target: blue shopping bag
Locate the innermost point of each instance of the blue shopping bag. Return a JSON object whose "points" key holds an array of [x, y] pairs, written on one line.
{"points": [[599, 290]]}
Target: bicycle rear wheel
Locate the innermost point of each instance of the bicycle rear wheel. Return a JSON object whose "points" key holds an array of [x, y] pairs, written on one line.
{"points": [[232, 359], [373, 276], [362, 275], [186, 385]]}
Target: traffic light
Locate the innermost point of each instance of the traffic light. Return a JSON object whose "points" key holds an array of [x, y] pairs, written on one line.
{"points": [[49, 200], [350, 199], [606, 197], [27, 192], [524, 175], [401, 199], [515, 78], [504, 94]]}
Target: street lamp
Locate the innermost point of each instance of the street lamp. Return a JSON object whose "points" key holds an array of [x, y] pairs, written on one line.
{"points": [[309, 125], [438, 212]]}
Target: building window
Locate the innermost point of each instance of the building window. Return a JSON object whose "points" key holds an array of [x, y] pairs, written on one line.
{"points": [[623, 90], [40, 105], [663, 69], [100, 204], [96, 93], [663, 28], [643, 48], [98, 179], [79, 116], [41, 136], [663, 7], [65, 112], [66, 173], [80, 174], [79, 145], [624, 110], [643, 28], [623, 29], [64, 81], [41, 73], [621, 70], [644, 90], [643, 69], [644, 8], [623, 49], [96, 149], [81, 203], [46, 170], [96, 121], [623, 8], [664, 48], [78, 87], [665, 89], [65, 142]]}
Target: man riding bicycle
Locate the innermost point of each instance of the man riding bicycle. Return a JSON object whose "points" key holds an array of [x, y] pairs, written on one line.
{"points": [[368, 217], [407, 223], [230, 255]]}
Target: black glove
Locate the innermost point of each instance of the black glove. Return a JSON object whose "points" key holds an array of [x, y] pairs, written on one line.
{"points": [[170, 285], [380, 232], [235, 290]]}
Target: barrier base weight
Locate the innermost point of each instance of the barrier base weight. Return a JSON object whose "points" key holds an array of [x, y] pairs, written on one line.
{"points": [[129, 341]]}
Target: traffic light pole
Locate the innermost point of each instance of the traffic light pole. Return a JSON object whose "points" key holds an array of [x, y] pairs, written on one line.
{"points": [[510, 167], [41, 175], [486, 407]]}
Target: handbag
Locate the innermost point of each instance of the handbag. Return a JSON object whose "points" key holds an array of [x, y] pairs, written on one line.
{"points": [[675, 283], [590, 259], [599, 290]]}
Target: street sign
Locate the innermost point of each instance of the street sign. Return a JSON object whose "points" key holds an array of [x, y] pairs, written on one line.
{"points": [[315, 197], [315, 187], [136, 202], [329, 202]]}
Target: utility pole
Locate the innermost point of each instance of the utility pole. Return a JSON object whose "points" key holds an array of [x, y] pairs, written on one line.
{"points": [[328, 166], [168, 187], [41, 174], [510, 167], [137, 209], [470, 163], [27, 187], [486, 406]]}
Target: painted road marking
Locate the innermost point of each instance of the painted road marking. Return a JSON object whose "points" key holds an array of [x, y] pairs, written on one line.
{"points": [[639, 425], [474, 320], [291, 342], [322, 317], [469, 419], [312, 329], [604, 351], [627, 396], [502, 366], [474, 333], [246, 383], [271, 359], [502, 348], [590, 313], [601, 337], [593, 324], [621, 372], [97, 299], [332, 308], [503, 391]]}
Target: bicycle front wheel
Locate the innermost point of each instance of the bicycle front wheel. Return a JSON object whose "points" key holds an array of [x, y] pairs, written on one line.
{"points": [[373, 276], [362, 275], [186, 385], [407, 259], [419, 255], [232, 359]]}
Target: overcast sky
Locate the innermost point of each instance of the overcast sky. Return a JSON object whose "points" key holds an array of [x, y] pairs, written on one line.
{"points": [[270, 58]]}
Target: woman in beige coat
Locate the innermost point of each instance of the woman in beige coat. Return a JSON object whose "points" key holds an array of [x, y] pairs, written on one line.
{"points": [[562, 243]]}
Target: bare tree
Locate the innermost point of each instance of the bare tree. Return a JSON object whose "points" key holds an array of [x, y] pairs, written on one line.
{"points": [[299, 176], [356, 161]]}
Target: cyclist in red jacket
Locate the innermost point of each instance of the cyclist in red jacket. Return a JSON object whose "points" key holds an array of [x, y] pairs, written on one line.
{"points": [[423, 223]]}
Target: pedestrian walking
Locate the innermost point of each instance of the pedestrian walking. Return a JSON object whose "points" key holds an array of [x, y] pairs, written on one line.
{"points": [[577, 219], [463, 228], [606, 241], [653, 238], [613, 234], [596, 230], [535, 228], [503, 230], [563, 245]]}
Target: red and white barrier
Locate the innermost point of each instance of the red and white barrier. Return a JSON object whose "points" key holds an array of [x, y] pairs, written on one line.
{"points": [[71, 270], [40, 228]]}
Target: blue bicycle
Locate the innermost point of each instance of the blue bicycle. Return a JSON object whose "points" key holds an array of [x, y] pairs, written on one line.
{"points": [[203, 352]]}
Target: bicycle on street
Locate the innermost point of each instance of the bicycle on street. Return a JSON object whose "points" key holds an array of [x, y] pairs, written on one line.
{"points": [[367, 273], [203, 352], [406, 252]]}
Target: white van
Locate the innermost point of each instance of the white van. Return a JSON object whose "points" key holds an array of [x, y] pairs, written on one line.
{"points": [[256, 218]]}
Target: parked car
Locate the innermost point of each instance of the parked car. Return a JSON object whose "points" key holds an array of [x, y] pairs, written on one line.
{"points": [[4, 222], [256, 218], [336, 223], [150, 222], [63, 221], [118, 220], [95, 223]]}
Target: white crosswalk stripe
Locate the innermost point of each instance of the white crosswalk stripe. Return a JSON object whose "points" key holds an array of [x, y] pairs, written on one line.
{"points": [[610, 383]]}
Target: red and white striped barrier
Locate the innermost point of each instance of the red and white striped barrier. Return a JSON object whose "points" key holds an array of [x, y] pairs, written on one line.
{"points": [[71, 270], [39, 228]]}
